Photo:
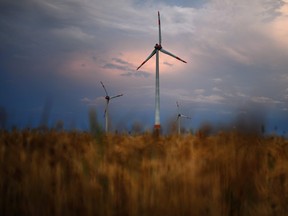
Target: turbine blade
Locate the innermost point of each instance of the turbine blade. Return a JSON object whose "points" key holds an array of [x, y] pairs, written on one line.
{"points": [[116, 96], [153, 52], [104, 88], [168, 53], [183, 116], [178, 108], [159, 25]]}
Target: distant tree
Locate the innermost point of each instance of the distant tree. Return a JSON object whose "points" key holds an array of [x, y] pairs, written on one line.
{"points": [[3, 118], [95, 128], [263, 129], [46, 113], [205, 130], [191, 131], [137, 128], [59, 126], [172, 126]]}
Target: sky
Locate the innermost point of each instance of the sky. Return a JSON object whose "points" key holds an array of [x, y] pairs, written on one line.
{"points": [[53, 55]]}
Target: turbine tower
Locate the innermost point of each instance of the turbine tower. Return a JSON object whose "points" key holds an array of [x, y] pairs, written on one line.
{"points": [[157, 48], [106, 113], [179, 116]]}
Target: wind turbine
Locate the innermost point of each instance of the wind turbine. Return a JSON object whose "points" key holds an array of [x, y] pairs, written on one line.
{"points": [[157, 48], [179, 116], [108, 98]]}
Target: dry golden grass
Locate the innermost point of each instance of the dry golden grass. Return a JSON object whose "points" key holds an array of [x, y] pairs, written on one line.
{"points": [[75, 173]]}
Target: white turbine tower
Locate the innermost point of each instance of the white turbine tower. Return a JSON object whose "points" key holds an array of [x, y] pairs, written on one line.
{"points": [[157, 48], [106, 113], [179, 116]]}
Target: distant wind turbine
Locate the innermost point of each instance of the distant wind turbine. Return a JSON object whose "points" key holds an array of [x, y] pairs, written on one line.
{"points": [[179, 116], [106, 113], [157, 48]]}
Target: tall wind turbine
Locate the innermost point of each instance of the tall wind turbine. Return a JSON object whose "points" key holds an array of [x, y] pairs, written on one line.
{"points": [[157, 48], [179, 116], [106, 113]]}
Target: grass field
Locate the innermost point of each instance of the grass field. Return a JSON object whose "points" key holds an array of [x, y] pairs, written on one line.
{"points": [[77, 173]]}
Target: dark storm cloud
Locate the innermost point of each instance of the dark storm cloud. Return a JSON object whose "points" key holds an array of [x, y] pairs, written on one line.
{"points": [[43, 27], [127, 69], [272, 9], [119, 64], [168, 64], [116, 67], [120, 61]]}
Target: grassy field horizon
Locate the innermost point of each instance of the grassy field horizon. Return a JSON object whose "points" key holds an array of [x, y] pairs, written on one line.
{"points": [[50, 172]]}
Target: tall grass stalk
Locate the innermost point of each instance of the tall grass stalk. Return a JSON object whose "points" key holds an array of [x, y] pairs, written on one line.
{"points": [[60, 173]]}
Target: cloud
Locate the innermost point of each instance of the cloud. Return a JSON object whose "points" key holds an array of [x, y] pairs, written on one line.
{"points": [[136, 74], [284, 77], [86, 100], [115, 67], [197, 96], [265, 100], [199, 91], [92, 102], [119, 64], [121, 61], [127, 69], [168, 64], [208, 99], [217, 80], [216, 89], [73, 32], [273, 9]]}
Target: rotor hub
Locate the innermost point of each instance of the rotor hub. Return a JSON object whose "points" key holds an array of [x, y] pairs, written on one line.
{"points": [[107, 98], [158, 46]]}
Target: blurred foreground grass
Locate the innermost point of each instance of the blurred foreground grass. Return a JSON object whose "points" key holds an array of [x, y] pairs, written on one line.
{"points": [[74, 173]]}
